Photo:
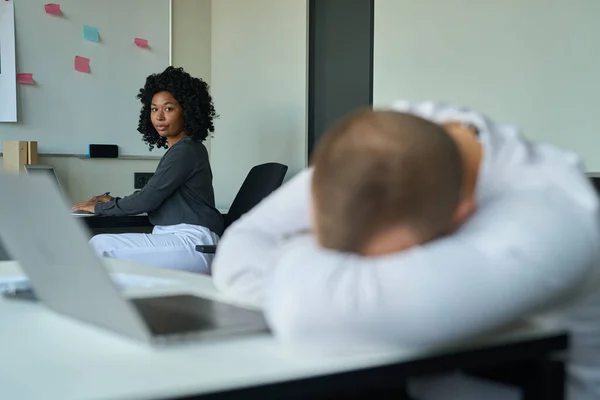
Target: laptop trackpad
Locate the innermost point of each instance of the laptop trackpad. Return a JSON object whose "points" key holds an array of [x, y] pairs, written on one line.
{"points": [[187, 314]]}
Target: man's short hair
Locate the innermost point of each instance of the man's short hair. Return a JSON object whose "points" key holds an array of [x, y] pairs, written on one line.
{"points": [[376, 170]]}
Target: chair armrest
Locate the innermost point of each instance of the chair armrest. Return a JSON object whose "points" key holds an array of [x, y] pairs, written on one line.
{"points": [[206, 248]]}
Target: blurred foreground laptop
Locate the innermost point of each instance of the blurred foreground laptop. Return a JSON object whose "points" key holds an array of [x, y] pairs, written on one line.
{"points": [[65, 274], [38, 169]]}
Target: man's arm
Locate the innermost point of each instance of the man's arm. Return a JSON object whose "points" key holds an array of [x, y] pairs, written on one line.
{"points": [[519, 254], [174, 169], [248, 245]]}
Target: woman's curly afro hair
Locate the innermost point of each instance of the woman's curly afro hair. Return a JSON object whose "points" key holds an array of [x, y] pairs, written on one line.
{"points": [[194, 97]]}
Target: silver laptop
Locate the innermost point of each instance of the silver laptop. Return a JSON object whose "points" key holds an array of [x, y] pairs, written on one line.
{"points": [[65, 274], [48, 170], [38, 169]]}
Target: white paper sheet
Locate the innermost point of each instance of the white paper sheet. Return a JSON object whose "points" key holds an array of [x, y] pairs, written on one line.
{"points": [[8, 66]]}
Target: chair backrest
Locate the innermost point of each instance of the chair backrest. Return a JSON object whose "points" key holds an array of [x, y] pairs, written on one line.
{"points": [[260, 182]]}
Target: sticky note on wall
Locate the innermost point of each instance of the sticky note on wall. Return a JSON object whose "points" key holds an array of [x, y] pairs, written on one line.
{"points": [[139, 42], [25, 78], [53, 9], [82, 64], [91, 34]]}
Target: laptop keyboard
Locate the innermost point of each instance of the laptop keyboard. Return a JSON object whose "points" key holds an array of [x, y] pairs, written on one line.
{"points": [[81, 212], [162, 319], [186, 314]]}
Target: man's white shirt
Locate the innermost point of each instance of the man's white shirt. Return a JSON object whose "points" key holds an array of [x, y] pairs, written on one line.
{"points": [[531, 247]]}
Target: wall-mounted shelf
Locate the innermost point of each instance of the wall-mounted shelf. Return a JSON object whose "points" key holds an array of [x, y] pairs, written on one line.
{"points": [[84, 157]]}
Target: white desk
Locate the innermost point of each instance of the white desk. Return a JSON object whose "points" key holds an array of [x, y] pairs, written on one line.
{"points": [[44, 355]]}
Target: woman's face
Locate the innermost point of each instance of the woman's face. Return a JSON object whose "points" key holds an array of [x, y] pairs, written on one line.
{"points": [[166, 115]]}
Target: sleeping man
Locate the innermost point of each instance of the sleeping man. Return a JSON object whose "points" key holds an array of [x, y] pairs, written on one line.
{"points": [[430, 224]]}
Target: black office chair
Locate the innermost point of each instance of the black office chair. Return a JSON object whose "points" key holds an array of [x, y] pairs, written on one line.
{"points": [[261, 181]]}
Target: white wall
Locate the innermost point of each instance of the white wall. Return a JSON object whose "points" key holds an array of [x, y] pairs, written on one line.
{"points": [[533, 63], [254, 55], [259, 85], [67, 110], [191, 49], [191, 38]]}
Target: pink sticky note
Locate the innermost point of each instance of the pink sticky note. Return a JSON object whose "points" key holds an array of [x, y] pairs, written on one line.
{"points": [[53, 9], [143, 43], [82, 64], [25, 78]]}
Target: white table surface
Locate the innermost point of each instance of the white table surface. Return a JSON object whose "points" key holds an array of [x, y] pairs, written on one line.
{"points": [[44, 355]]}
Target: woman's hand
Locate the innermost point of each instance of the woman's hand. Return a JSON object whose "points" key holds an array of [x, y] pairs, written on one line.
{"points": [[85, 206], [103, 198]]}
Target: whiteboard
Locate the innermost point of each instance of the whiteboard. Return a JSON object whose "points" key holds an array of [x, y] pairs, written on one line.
{"points": [[531, 63], [8, 85], [66, 110]]}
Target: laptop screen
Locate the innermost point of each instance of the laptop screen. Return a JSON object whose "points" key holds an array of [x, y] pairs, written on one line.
{"points": [[46, 170], [3, 253]]}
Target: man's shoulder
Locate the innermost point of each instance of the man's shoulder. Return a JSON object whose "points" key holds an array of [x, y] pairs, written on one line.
{"points": [[513, 163]]}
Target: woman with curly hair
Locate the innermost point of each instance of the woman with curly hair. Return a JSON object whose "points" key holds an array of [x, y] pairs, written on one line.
{"points": [[177, 114]]}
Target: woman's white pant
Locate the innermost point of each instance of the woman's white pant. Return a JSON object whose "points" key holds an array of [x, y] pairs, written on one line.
{"points": [[171, 247]]}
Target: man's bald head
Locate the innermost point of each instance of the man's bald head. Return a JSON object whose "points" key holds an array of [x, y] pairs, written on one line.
{"points": [[376, 171]]}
